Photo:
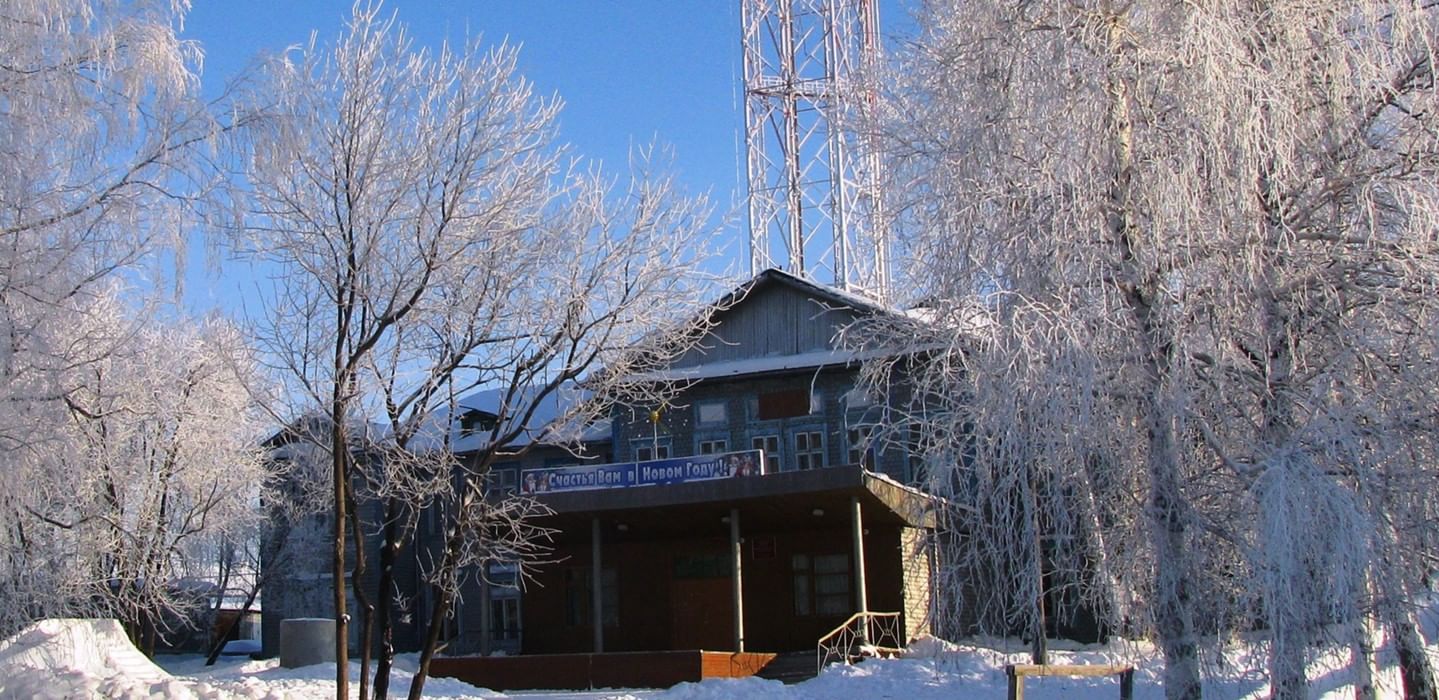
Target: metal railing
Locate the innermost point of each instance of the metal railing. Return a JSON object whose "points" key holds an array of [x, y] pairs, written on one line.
{"points": [[864, 634]]}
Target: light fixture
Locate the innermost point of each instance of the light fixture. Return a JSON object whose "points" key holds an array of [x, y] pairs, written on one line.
{"points": [[817, 512], [623, 527]]}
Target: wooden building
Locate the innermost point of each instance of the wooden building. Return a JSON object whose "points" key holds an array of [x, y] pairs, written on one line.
{"points": [[763, 560], [767, 562]]}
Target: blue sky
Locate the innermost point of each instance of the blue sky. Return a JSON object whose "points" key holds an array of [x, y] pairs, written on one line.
{"points": [[630, 72]]}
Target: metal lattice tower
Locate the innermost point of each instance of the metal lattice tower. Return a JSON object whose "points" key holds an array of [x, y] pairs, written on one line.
{"points": [[813, 175]]}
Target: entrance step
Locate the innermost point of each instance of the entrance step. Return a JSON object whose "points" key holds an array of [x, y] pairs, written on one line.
{"points": [[790, 667]]}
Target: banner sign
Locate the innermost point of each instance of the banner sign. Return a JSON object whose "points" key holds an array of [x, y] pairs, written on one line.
{"points": [[658, 472]]}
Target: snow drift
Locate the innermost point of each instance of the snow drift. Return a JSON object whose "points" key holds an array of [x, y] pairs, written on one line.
{"points": [[73, 658]]}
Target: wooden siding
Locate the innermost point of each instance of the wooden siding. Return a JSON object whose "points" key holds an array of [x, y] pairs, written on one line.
{"points": [[774, 320]]}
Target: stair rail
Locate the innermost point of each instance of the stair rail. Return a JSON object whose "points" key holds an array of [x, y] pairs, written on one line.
{"points": [[864, 634]]}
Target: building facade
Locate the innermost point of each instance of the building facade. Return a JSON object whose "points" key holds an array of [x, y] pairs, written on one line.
{"points": [[755, 559]]}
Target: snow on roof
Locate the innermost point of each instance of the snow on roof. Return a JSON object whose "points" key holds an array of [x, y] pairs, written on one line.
{"points": [[545, 424]]}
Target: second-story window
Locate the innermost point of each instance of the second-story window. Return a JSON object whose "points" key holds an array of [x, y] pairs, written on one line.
{"points": [[769, 444], [649, 449], [711, 413], [808, 449], [714, 446], [861, 446]]}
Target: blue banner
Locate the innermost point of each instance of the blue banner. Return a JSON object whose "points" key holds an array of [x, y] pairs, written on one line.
{"points": [[657, 472]]}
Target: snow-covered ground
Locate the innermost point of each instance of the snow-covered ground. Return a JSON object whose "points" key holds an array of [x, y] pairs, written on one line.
{"points": [[92, 658]]}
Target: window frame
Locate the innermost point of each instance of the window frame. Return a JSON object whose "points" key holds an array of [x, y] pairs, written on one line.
{"points": [[810, 451], [702, 406], [711, 441], [663, 444], [809, 583]]}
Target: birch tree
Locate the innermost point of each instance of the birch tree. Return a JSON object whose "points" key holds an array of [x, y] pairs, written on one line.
{"points": [[1194, 231], [432, 238], [99, 128]]}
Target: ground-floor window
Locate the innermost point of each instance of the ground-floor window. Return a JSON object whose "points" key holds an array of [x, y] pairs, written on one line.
{"points": [[505, 619], [579, 596], [821, 584]]}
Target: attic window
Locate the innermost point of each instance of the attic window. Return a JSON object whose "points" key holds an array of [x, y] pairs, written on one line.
{"points": [[711, 413], [473, 421]]}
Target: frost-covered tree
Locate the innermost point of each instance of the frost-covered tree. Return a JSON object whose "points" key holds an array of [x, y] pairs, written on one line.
{"points": [[100, 130], [431, 240], [149, 460], [1180, 262]]}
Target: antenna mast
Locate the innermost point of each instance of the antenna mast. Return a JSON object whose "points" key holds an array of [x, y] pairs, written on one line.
{"points": [[813, 171]]}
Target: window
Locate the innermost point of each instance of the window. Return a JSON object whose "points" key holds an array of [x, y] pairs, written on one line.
{"points": [[790, 403], [769, 444], [502, 478], [821, 584], [579, 594], [473, 422], [711, 413], [857, 397], [861, 446], [808, 449], [714, 446], [647, 449], [504, 602], [505, 619]]}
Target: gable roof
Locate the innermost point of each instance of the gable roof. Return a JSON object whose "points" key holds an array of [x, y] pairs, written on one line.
{"points": [[776, 276], [774, 323]]}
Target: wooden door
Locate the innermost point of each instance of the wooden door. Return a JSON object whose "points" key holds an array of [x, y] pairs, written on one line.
{"points": [[701, 614]]}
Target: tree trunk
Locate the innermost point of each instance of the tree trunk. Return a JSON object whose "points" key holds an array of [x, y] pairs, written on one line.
{"points": [[1414, 667], [220, 643], [1172, 617], [362, 597], [1039, 651], [1287, 674], [339, 453], [389, 552], [1361, 658], [432, 638]]}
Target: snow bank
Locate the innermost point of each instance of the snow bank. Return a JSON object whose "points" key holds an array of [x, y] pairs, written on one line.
{"points": [[70, 658], [93, 658]]}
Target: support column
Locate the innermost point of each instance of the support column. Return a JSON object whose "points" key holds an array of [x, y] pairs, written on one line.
{"points": [[736, 578], [861, 597], [597, 587]]}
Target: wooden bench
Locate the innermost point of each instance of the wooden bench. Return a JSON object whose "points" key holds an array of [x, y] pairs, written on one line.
{"points": [[1017, 672]]}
